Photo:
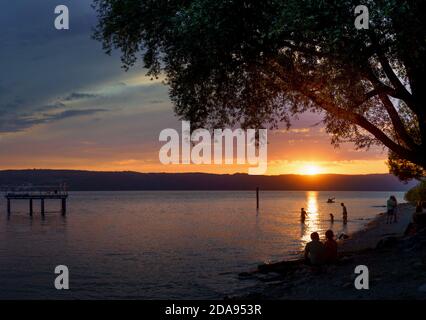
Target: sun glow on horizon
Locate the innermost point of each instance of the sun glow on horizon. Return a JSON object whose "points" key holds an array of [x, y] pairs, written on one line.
{"points": [[310, 170]]}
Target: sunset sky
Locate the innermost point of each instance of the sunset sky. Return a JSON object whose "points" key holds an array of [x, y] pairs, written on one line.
{"points": [[65, 104]]}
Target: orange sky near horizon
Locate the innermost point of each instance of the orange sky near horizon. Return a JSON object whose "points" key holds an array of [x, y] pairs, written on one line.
{"points": [[298, 151], [117, 143], [321, 159]]}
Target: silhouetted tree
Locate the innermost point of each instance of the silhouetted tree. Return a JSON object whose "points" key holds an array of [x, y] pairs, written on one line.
{"points": [[257, 63]]}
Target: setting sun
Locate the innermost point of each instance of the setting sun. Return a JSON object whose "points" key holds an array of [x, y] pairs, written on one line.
{"points": [[310, 170]]}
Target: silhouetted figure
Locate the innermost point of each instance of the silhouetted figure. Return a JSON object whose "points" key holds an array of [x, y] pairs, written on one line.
{"points": [[331, 218], [314, 251], [344, 213], [419, 207], [419, 217], [391, 208], [343, 236], [395, 210], [303, 215], [330, 248]]}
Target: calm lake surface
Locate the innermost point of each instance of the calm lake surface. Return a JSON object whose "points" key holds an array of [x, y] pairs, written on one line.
{"points": [[163, 245]]}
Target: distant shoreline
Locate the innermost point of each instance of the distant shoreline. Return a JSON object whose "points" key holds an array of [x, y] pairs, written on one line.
{"points": [[132, 181]]}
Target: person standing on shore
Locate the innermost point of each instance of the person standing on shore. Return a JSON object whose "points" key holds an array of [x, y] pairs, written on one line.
{"points": [[345, 213], [395, 209], [391, 210]]}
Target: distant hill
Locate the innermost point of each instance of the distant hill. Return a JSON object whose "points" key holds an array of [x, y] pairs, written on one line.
{"points": [[112, 181]]}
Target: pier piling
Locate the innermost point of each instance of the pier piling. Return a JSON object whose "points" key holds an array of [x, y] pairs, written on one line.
{"points": [[257, 198], [64, 207], [38, 194], [42, 207]]}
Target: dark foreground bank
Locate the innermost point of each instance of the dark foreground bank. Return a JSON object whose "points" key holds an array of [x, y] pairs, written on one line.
{"points": [[395, 255]]}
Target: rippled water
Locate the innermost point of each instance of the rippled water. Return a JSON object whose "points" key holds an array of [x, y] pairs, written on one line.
{"points": [[163, 245]]}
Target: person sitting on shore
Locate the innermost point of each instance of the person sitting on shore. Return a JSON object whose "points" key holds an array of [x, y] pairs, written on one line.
{"points": [[390, 206], [303, 215], [330, 248], [344, 213], [419, 207], [314, 251], [419, 217]]}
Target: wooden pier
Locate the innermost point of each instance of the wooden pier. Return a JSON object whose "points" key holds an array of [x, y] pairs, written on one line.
{"points": [[37, 193]]}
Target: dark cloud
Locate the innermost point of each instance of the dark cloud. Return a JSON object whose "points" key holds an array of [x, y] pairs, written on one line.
{"points": [[10, 108], [25, 121], [76, 113], [50, 107], [80, 96], [39, 63]]}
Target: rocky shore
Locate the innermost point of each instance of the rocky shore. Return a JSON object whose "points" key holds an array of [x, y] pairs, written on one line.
{"points": [[395, 255]]}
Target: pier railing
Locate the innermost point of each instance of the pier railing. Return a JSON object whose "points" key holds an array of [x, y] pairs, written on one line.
{"points": [[41, 193]]}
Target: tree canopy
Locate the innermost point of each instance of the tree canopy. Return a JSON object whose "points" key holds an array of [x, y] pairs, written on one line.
{"points": [[257, 63]]}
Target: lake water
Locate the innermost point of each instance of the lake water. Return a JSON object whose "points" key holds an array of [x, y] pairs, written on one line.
{"points": [[163, 245]]}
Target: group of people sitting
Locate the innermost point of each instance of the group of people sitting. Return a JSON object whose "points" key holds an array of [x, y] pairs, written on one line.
{"points": [[318, 253]]}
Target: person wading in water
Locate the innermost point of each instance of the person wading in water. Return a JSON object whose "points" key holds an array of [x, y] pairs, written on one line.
{"points": [[345, 213]]}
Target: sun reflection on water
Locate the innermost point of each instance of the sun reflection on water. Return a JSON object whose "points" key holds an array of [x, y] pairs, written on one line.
{"points": [[312, 223]]}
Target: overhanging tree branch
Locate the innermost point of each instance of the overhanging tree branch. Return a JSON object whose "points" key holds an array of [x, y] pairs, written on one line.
{"points": [[397, 123], [363, 123], [400, 89], [383, 92]]}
